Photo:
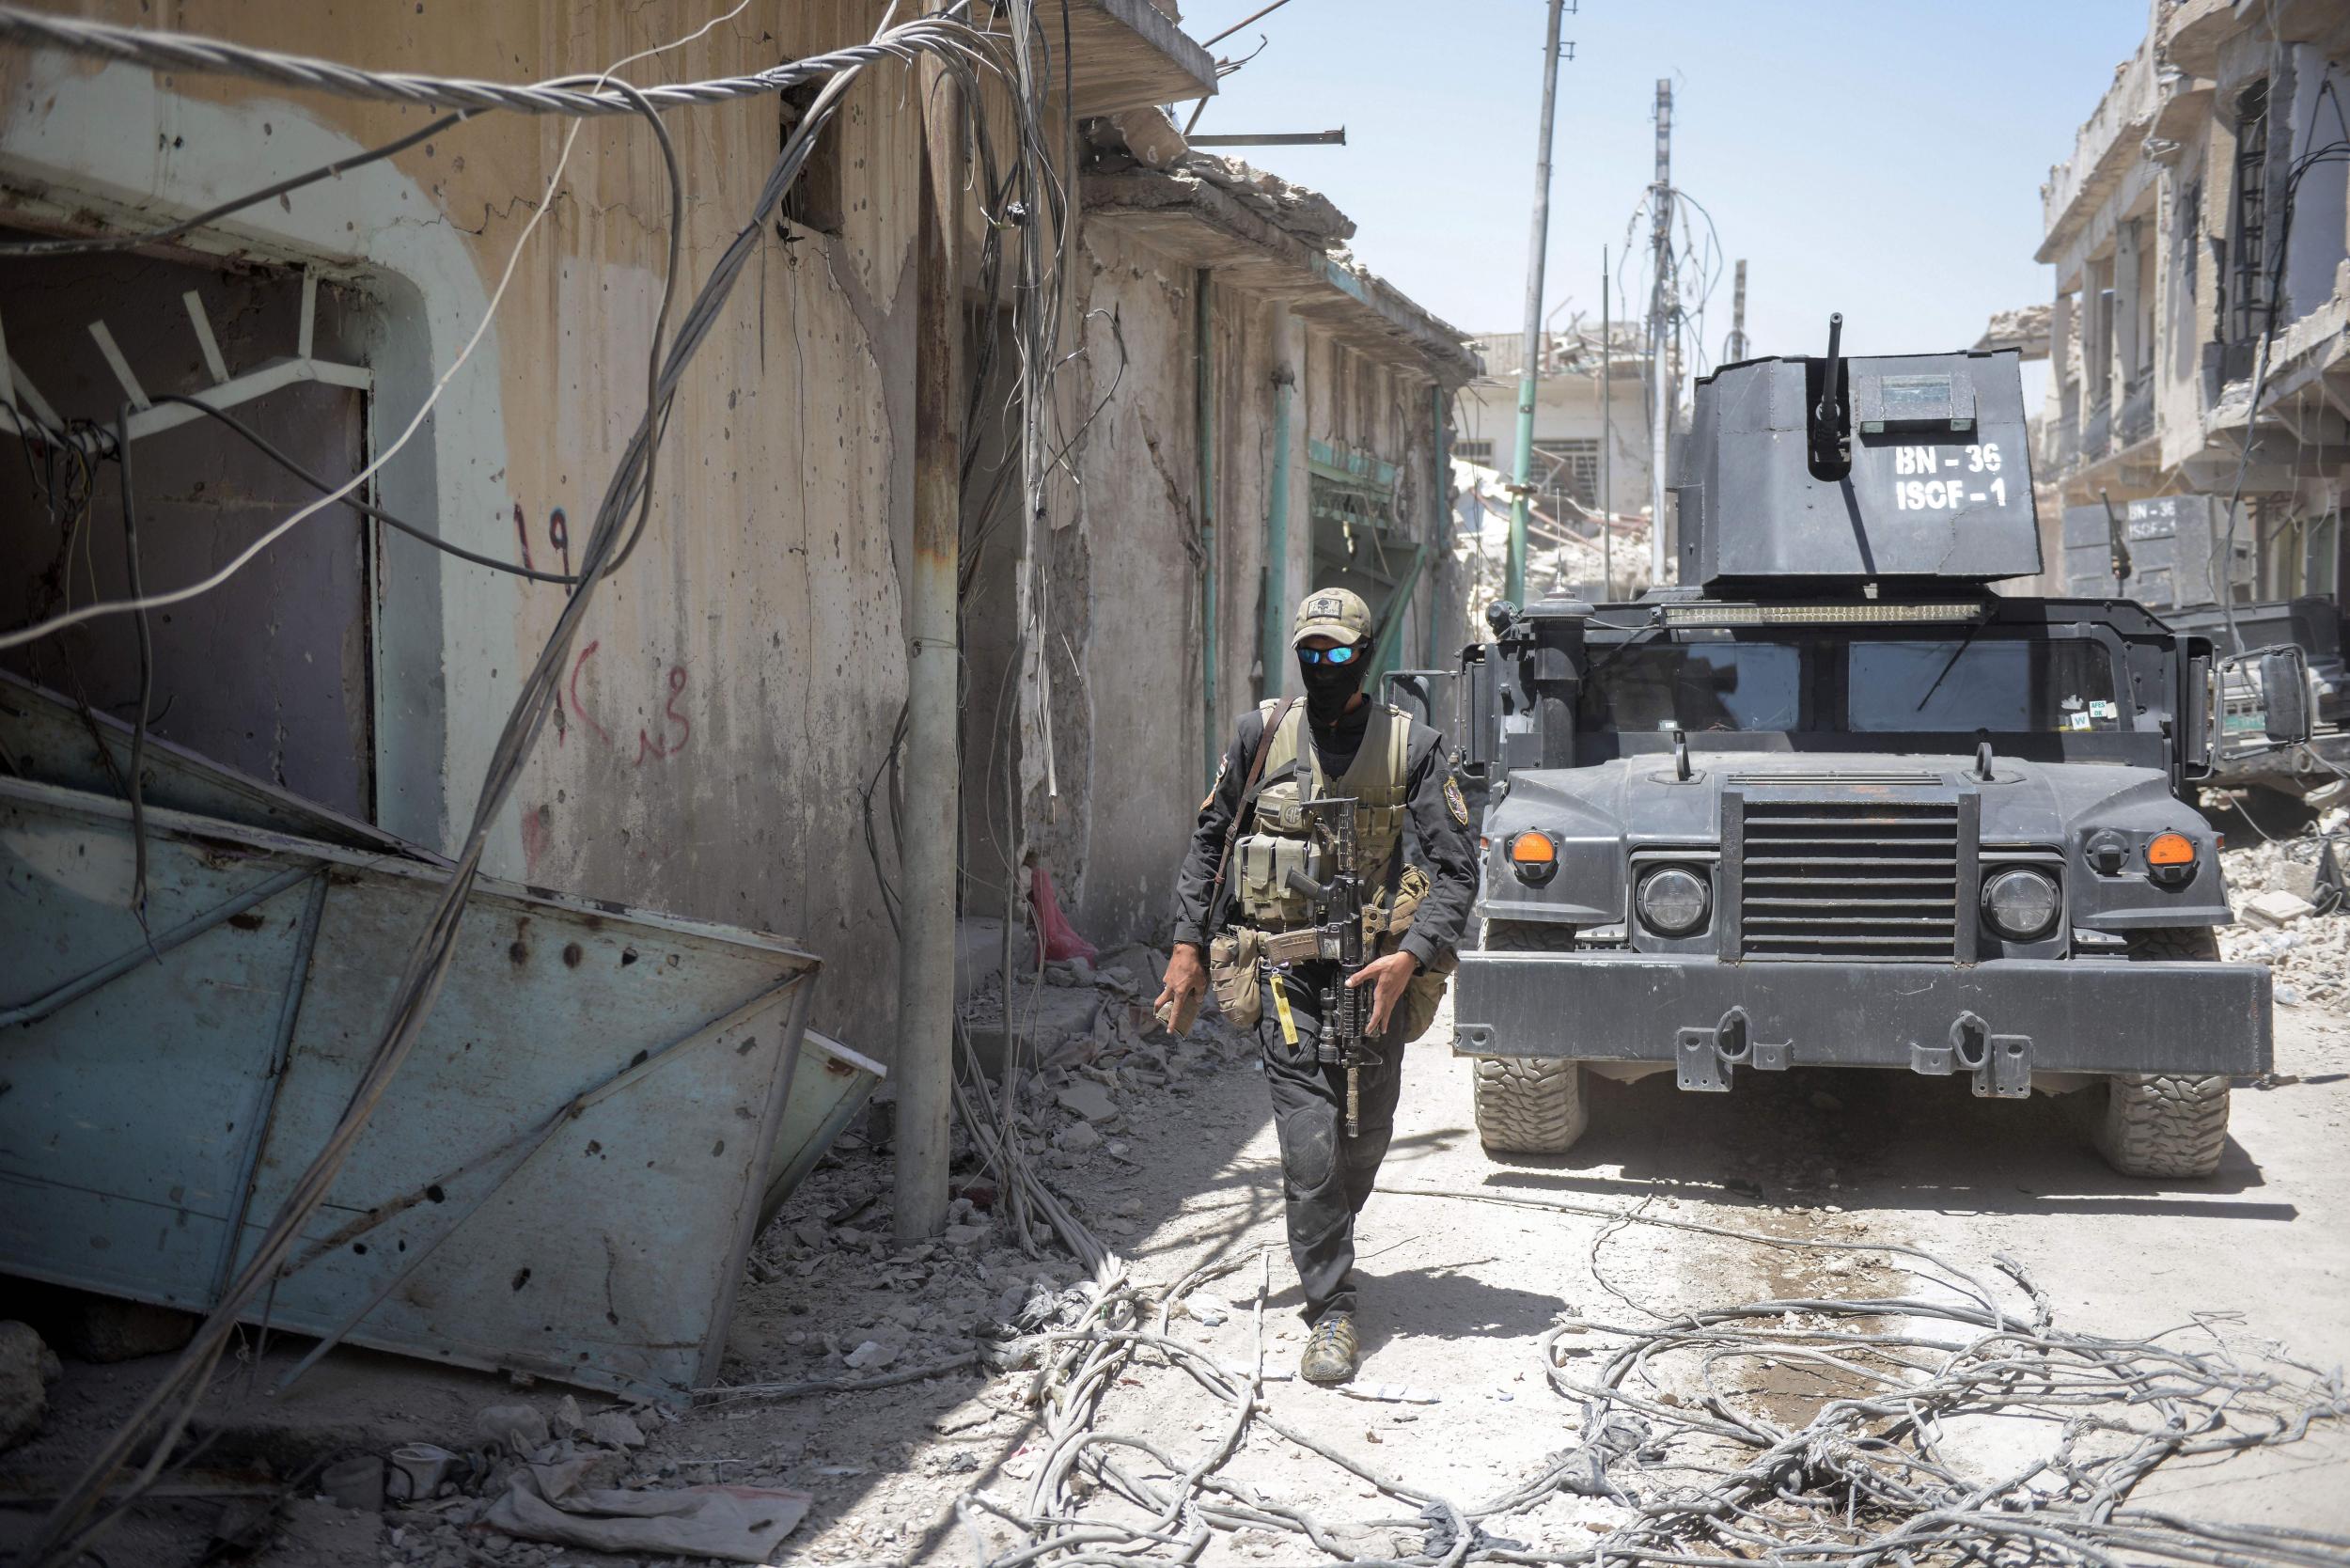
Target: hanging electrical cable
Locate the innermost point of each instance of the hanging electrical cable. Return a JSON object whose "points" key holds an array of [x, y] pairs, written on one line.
{"points": [[160, 1418]]}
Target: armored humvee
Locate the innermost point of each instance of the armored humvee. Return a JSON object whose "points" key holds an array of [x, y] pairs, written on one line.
{"points": [[1835, 803]]}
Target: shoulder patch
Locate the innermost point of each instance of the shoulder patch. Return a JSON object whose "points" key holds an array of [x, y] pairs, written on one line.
{"points": [[1223, 765], [1453, 800]]}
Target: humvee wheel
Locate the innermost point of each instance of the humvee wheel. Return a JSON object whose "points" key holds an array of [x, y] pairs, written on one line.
{"points": [[2165, 1124], [1528, 1105]]}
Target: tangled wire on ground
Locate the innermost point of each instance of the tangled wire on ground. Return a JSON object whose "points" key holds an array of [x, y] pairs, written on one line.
{"points": [[1868, 1478]]}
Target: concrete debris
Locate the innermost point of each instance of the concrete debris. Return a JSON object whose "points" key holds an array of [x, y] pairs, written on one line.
{"points": [[519, 1429], [614, 1431], [1208, 1310], [1089, 1102], [1077, 1138], [1068, 971], [872, 1356], [27, 1367], [2276, 908], [1308, 215], [2277, 893]]}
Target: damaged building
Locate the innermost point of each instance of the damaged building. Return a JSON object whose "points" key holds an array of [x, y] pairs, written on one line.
{"points": [[1234, 409], [1587, 528], [2198, 236]]}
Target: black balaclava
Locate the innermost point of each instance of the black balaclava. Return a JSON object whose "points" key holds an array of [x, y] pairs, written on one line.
{"points": [[1330, 687]]}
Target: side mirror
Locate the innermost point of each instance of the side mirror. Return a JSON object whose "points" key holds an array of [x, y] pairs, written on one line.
{"points": [[2285, 689]]}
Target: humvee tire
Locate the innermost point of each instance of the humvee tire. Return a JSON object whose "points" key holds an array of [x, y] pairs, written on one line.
{"points": [[2165, 1124], [1528, 1105]]}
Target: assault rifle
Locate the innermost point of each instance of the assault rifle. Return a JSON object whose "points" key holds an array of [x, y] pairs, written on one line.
{"points": [[1337, 903]]}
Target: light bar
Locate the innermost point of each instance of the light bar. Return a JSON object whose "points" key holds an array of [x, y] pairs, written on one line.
{"points": [[1813, 615]]}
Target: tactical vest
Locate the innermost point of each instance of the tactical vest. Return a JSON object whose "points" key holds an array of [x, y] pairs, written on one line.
{"points": [[1278, 842]]}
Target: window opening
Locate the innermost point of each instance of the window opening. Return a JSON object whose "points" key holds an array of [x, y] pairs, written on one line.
{"points": [[270, 673], [814, 200], [2247, 290], [1567, 470]]}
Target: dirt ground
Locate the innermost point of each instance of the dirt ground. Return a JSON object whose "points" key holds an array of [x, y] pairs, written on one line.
{"points": [[1181, 1172]]}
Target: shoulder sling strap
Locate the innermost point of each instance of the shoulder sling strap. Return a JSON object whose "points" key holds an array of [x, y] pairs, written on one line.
{"points": [[1231, 833]]}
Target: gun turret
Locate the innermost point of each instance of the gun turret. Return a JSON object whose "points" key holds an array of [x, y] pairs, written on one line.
{"points": [[1804, 476]]}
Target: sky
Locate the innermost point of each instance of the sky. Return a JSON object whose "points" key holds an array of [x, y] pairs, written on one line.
{"points": [[1882, 159]]}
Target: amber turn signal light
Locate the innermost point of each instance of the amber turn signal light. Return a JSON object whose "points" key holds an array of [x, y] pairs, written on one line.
{"points": [[1533, 857], [2170, 859]]}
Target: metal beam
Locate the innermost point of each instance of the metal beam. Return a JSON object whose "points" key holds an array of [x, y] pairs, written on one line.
{"points": [[1275, 138]]}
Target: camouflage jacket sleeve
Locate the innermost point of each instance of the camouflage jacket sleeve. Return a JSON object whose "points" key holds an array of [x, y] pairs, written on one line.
{"points": [[1207, 834], [1447, 848]]}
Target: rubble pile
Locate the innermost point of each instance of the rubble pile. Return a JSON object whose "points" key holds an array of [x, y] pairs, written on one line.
{"points": [[2290, 917]]}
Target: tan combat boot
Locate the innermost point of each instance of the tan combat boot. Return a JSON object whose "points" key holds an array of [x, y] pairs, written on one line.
{"points": [[1331, 1350]]}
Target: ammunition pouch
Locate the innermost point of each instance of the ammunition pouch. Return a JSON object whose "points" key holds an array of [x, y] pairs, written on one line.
{"points": [[1262, 886], [1233, 961]]}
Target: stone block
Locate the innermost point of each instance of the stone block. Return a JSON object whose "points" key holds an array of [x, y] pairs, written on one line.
{"points": [[27, 1367]]}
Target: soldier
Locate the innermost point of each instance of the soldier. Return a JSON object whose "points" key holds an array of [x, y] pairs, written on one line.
{"points": [[1336, 743]]}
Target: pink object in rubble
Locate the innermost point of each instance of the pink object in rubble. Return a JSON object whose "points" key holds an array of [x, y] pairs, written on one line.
{"points": [[1059, 938]]}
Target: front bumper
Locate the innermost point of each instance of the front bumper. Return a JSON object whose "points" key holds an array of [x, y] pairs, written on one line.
{"points": [[2001, 1021]]}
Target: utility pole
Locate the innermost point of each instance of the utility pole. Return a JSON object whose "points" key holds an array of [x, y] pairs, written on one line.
{"points": [[933, 804], [1606, 436], [1659, 333], [1738, 316], [1513, 586]]}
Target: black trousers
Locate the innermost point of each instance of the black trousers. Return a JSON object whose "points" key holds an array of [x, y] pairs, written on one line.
{"points": [[1326, 1176]]}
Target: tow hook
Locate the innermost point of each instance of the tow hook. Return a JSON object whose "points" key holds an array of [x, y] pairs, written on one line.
{"points": [[1703, 1058], [2001, 1063]]}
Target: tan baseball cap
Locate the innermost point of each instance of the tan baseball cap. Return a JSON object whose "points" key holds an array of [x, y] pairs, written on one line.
{"points": [[1334, 613]]}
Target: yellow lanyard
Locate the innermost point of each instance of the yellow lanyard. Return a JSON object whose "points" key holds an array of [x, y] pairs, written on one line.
{"points": [[1281, 1007]]}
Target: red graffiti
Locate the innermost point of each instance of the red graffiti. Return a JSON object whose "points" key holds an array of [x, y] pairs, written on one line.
{"points": [[646, 743], [584, 716], [535, 836], [521, 533]]}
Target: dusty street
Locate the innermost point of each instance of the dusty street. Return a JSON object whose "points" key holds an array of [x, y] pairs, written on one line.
{"points": [[1460, 1293], [1180, 1174]]}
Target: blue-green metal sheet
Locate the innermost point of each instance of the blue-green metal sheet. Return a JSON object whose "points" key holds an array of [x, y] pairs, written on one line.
{"points": [[563, 1179]]}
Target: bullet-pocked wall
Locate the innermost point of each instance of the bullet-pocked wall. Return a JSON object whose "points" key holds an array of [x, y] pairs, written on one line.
{"points": [[1136, 679], [735, 684]]}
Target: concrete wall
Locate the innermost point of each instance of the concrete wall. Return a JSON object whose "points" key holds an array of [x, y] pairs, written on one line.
{"points": [[737, 682], [1127, 580], [735, 688]]}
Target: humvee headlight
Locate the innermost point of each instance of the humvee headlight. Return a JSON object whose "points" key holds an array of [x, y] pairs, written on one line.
{"points": [[2021, 903], [1535, 857], [1672, 900]]}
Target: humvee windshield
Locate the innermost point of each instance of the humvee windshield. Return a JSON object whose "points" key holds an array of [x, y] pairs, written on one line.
{"points": [[1833, 682]]}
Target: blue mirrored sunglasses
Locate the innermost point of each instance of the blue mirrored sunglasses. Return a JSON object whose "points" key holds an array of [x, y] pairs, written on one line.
{"points": [[1329, 655]]}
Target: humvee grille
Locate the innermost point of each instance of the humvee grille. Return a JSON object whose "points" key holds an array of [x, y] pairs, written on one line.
{"points": [[1848, 879]]}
